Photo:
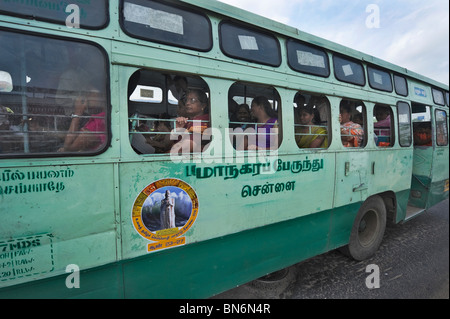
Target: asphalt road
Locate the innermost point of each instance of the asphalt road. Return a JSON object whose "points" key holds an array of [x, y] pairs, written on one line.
{"points": [[413, 263]]}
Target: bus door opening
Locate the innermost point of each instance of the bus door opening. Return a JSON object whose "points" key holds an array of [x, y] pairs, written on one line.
{"points": [[423, 155]]}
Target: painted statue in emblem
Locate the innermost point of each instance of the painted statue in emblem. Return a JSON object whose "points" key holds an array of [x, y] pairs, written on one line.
{"points": [[167, 212]]}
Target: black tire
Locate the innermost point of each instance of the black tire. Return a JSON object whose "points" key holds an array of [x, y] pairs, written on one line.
{"points": [[368, 230]]}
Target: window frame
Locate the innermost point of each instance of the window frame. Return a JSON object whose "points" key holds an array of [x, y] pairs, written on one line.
{"points": [[397, 76], [278, 107], [400, 123], [363, 126], [136, 115], [392, 135], [371, 71], [107, 93], [254, 30], [291, 42], [328, 120], [434, 92], [56, 21], [162, 40], [436, 127], [351, 60]]}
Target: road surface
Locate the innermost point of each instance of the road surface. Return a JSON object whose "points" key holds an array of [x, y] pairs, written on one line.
{"points": [[413, 263]]}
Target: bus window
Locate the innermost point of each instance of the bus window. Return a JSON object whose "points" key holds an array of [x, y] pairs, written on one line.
{"points": [[441, 128], [159, 103], [379, 79], [248, 44], [308, 59], [312, 118], [404, 124], [349, 70], [383, 125], [255, 117], [352, 116], [166, 23], [438, 97], [401, 86], [58, 99], [421, 117], [92, 14]]}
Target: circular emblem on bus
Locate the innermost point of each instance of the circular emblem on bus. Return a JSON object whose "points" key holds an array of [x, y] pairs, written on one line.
{"points": [[164, 211]]}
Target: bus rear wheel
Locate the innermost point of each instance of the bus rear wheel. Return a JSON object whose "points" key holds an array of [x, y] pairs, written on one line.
{"points": [[368, 229]]}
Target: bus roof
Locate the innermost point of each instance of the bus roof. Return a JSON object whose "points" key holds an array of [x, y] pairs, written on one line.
{"points": [[283, 29]]}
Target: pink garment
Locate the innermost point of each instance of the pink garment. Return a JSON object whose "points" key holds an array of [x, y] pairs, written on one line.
{"points": [[383, 127], [97, 124]]}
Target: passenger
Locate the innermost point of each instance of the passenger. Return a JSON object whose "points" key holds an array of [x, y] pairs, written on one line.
{"points": [[78, 137], [352, 134], [242, 118], [309, 134], [300, 101], [139, 141], [196, 121], [178, 86], [161, 142], [383, 124], [267, 119], [358, 119]]}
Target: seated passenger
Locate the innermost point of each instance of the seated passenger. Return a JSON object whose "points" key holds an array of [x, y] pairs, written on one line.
{"points": [[139, 141], [197, 121], [161, 142], [267, 129], [178, 86], [383, 124], [79, 138], [241, 118], [352, 134], [308, 134]]}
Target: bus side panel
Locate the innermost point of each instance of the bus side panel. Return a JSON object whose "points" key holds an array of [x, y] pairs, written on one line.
{"points": [[421, 176], [230, 198], [104, 282], [440, 177], [248, 219], [55, 216], [211, 267]]}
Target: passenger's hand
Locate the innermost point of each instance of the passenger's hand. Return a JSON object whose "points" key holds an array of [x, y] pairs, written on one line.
{"points": [[181, 122], [80, 106]]}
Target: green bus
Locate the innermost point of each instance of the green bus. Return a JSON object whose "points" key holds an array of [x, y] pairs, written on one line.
{"points": [[179, 148]]}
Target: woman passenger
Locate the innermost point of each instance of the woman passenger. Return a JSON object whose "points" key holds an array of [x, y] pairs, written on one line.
{"points": [[308, 134], [267, 119], [92, 135], [352, 134], [196, 121]]}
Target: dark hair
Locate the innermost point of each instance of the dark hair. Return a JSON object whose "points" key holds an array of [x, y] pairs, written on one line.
{"points": [[264, 102], [311, 110], [202, 97]]}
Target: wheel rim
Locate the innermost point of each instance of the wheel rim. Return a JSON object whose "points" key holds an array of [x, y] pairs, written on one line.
{"points": [[368, 228]]}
